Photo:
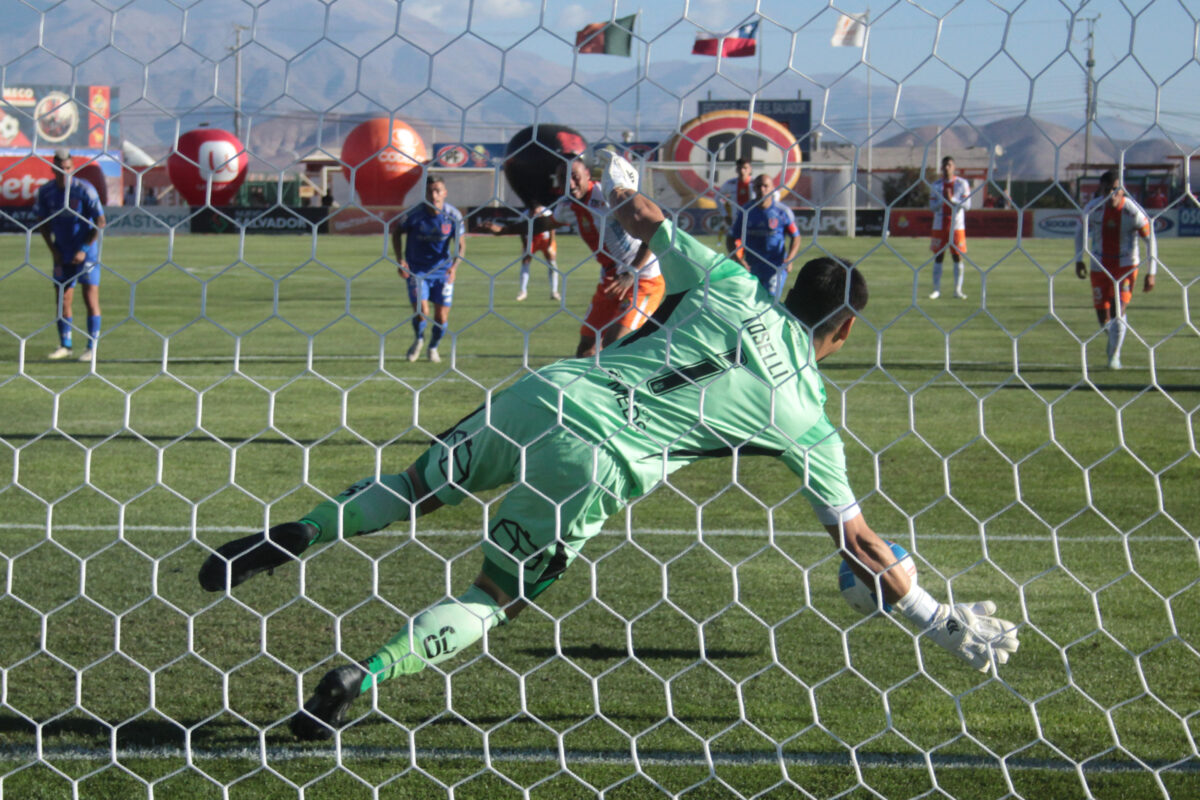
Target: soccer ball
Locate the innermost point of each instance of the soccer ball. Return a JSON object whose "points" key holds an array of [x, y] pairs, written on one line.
{"points": [[859, 595]]}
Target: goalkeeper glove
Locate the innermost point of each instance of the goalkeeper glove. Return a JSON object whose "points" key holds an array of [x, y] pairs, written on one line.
{"points": [[615, 173], [967, 630]]}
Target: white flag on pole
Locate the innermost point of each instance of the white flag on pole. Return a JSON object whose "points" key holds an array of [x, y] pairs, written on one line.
{"points": [[851, 31]]}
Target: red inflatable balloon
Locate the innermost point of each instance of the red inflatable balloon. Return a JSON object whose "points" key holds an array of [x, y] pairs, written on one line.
{"points": [[383, 158], [204, 154]]}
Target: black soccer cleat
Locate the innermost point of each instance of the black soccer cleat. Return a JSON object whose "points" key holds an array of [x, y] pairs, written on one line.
{"points": [[325, 711], [240, 560]]}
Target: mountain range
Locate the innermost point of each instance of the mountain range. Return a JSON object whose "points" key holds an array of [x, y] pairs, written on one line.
{"points": [[304, 86]]}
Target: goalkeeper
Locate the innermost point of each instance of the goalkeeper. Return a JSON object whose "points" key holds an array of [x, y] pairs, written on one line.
{"points": [[723, 369]]}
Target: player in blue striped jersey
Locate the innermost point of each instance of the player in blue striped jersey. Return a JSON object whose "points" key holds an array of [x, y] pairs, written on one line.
{"points": [[428, 261], [70, 218], [766, 237]]}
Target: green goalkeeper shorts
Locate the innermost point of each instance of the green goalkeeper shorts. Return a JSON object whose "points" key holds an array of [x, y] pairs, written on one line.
{"points": [[563, 487]]}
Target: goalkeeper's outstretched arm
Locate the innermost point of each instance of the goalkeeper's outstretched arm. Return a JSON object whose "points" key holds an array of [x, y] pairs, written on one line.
{"points": [[968, 630]]}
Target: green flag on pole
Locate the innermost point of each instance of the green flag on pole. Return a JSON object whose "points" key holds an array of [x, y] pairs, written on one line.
{"points": [[607, 38]]}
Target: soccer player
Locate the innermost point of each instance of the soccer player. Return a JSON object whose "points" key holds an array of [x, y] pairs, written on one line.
{"points": [[436, 244], [767, 237], [728, 370], [631, 284], [1109, 228], [735, 194], [71, 217], [950, 199], [533, 241]]}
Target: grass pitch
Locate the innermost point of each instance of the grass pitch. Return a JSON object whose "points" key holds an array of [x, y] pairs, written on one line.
{"points": [[699, 648]]}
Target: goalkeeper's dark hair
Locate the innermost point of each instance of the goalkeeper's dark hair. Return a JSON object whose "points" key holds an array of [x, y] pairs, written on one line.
{"points": [[828, 291]]}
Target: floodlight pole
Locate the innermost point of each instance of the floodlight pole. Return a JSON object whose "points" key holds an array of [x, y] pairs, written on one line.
{"points": [[870, 123], [1090, 109], [237, 80]]}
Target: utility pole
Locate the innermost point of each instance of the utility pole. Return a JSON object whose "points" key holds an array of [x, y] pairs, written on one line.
{"points": [[237, 80], [1090, 89]]}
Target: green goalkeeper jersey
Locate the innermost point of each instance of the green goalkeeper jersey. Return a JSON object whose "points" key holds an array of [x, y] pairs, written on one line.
{"points": [[727, 371]]}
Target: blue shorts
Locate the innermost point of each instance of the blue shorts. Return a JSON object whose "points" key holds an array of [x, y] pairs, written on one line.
{"points": [[430, 286], [87, 274], [773, 279]]}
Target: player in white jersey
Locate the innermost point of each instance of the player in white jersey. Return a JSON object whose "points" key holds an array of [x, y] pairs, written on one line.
{"points": [[1108, 233], [533, 241], [949, 199], [631, 284]]}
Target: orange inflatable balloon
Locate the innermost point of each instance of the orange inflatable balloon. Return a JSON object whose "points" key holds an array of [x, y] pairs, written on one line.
{"points": [[383, 158]]}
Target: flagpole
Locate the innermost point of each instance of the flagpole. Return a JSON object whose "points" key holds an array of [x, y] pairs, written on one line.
{"points": [[637, 88], [870, 124], [759, 47]]}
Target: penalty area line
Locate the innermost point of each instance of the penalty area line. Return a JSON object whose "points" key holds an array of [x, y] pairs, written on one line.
{"points": [[714, 532], [278, 754]]}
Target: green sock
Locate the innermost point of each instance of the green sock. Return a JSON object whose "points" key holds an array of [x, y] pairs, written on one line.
{"points": [[365, 507], [435, 635]]}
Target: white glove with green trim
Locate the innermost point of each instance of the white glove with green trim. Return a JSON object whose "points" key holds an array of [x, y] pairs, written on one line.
{"points": [[615, 173], [968, 630]]}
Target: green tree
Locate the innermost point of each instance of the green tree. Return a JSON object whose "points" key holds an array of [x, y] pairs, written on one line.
{"points": [[907, 189]]}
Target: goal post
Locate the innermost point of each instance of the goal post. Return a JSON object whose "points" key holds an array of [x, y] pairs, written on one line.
{"points": [[253, 359]]}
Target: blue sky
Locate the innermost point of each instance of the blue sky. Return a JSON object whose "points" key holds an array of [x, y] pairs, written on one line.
{"points": [[1010, 56], [932, 62], [1014, 56]]}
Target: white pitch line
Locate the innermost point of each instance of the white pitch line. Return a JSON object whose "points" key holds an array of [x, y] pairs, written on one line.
{"points": [[604, 757], [998, 366], [716, 532]]}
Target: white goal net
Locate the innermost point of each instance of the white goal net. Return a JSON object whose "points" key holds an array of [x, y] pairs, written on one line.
{"points": [[238, 360]]}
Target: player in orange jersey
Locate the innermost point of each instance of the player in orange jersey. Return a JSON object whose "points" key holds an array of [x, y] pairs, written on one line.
{"points": [[631, 286], [1108, 233], [735, 194], [949, 200], [533, 240]]}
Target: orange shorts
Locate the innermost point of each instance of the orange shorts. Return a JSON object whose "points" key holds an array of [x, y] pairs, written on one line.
{"points": [[1105, 283], [941, 238], [541, 243], [607, 312]]}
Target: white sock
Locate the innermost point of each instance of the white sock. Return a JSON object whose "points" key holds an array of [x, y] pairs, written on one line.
{"points": [[524, 276], [1116, 336], [958, 276], [937, 276], [552, 270]]}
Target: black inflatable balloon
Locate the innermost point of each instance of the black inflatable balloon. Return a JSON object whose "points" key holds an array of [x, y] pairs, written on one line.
{"points": [[532, 160]]}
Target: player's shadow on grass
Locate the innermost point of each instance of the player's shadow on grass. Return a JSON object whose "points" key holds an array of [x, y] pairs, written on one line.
{"points": [[135, 733], [598, 652], [96, 438]]}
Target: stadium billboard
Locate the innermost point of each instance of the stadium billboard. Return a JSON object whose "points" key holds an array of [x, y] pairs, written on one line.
{"points": [[35, 115], [139, 221], [1189, 222], [1061, 223], [22, 171], [273, 219], [986, 223], [794, 114]]}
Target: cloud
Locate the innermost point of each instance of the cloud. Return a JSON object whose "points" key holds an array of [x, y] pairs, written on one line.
{"points": [[574, 17], [485, 10], [506, 9]]}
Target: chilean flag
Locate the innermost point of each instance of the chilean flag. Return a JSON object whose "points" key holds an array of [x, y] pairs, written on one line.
{"points": [[741, 43]]}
